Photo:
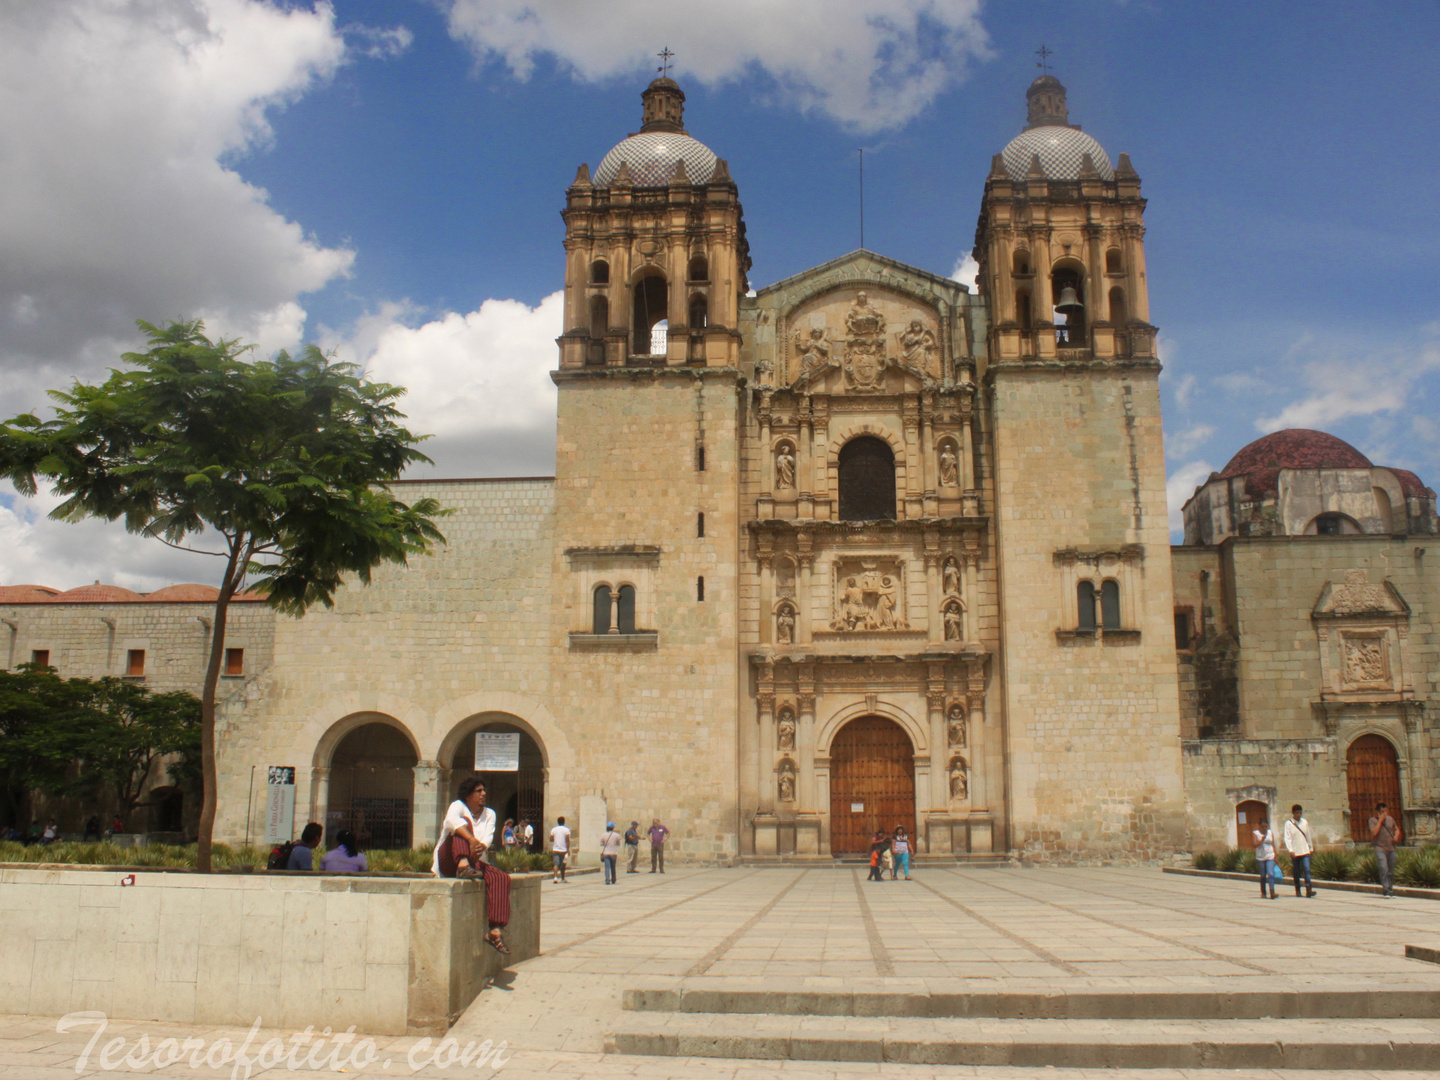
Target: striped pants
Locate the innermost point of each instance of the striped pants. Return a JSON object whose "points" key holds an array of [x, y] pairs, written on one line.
{"points": [[497, 882]]}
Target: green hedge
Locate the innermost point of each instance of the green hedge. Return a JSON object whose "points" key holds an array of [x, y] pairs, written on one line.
{"points": [[1419, 867], [404, 860]]}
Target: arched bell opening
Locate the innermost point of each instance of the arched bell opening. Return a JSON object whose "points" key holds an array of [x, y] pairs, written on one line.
{"points": [[649, 320], [1067, 286]]}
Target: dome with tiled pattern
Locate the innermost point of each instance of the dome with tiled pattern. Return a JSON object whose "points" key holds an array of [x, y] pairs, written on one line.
{"points": [[1062, 152], [651, 156]]}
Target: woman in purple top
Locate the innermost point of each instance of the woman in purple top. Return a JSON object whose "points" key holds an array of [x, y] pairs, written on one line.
{"points": [[347, 858]]}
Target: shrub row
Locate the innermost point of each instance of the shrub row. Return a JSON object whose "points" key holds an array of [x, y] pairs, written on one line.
{"points": [[406, 860], [1415, 866]]}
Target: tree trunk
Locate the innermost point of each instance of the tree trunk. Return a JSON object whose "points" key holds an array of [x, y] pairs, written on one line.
{"points": [[234, 571]]}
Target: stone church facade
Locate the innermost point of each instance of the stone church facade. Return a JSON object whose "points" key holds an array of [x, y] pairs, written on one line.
{"points": [[856, 549]]}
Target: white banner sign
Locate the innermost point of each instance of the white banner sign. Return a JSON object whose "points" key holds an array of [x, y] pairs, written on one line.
{"points": [[497, 751], [280, 805]]}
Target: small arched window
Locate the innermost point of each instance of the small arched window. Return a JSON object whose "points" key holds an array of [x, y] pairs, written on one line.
{"points": [[699, 313], [1020, 262], [625, 610], [699, 268], [867, 480], [1330, 525], [1113, 264], [1110, 604], [600, 622], [599, 272], [1085, 601]]}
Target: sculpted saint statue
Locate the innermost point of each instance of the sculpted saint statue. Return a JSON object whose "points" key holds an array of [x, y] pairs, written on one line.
{"points": [[957, 725], [787, 787], [885, 605], [954, 628], [784, 466], [952, 577], [787, 731], [814, 351], [862, 320], [917, 345], [785, 626], [959, 784], [949, 466]]}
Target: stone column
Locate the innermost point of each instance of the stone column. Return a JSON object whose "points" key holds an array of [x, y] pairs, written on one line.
{"points": [[767, 597], [982, 821], [805, 468], [765, 754], [929, 481], [939, 746], [805, 750], [820, 450], [767, 456], [805, 601], [425, 807], [935, 618], [971, 594], [319, 798], [967, 453]]}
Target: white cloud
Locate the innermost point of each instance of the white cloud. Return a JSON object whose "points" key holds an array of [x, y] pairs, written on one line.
{"points": [[1184, 390], [966, 271], [1184, 443], [869, 64], [115, 200], [1178, 489], [1357, 385], [479, 382]]}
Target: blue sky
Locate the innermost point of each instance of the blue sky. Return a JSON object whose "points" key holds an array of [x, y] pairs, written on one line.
{"points": [[385, 177]]}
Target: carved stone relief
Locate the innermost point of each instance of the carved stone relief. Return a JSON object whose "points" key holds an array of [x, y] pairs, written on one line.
{"points": [[865, 359], [949, 464], [954, 618], [1366, 660], [959, 779], [785, 624], [813, 350], [784, 466], [951, 577], [1357, 596], [787, 781], [918, 347], [869, 595]]}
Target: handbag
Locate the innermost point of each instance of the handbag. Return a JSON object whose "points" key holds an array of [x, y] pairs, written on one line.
{"points": [[1276, 874]]}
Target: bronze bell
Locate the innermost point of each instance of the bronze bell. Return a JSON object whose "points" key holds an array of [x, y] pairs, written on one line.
{"points": [[1069, 303]]}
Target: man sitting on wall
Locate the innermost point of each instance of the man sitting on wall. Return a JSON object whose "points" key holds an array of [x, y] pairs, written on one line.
{"points": [[465, 837]]}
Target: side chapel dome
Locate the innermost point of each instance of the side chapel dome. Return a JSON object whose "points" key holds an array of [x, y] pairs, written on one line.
{"points": [[1060, 145], [651, 155]]}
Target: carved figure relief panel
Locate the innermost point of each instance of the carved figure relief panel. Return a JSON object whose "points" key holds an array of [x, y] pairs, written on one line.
{"points": [[869, 594], [1363, 636], [858, 336]]}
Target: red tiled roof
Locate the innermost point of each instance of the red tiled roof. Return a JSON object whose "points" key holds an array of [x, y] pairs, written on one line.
{"points": [[183, 593], [1411, 484], [1295, 448], [98, 594], [26, 594]]}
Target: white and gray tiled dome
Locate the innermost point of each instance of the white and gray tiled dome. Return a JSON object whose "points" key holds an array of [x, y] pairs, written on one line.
{"points": [[1061, 151], [651, 157]]}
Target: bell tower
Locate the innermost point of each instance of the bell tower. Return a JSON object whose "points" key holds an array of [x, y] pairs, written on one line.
{"points": [[644, 624], [1091, 699]]}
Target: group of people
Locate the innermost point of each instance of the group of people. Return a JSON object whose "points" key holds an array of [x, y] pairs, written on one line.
{"points": [[1383, 830], [344, 858], [890, 851], [612, 842]]}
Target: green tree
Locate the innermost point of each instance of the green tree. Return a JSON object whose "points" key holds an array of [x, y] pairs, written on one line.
{"points": [[40, 714], [281, 464]]}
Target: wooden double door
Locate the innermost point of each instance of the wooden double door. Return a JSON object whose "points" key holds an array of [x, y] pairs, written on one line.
{"points": [[872, 783], [1372, 775]]}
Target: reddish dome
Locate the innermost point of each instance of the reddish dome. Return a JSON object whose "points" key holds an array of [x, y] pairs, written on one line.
{"points": [[1295, 448], [97, 594], [1411, 484], [26, 594], [179, 594]]}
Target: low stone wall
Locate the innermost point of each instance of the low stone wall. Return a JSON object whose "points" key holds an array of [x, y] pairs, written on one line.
{"points": [[391, 955]]}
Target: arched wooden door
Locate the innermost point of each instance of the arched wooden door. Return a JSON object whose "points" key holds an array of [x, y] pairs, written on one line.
{"points": [[1247, 816], [872, 783], [1372, 775]]}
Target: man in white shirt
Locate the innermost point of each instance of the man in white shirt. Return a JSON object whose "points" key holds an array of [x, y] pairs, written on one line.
{"points": [[1298, 843], [559, 848], [465, 837]]}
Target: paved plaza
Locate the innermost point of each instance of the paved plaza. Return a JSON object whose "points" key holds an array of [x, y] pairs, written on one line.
{"points": [[766, 944]]}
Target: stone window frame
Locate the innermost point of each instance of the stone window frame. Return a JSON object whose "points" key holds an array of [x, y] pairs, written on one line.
{"points": [[613, 567], [1124, 566]]}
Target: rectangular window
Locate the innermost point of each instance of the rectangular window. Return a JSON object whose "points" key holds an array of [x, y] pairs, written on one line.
{"points": [[40, 656], [234, 661], [135, 662], [699, 459], [700, 525], [700, 588], [1182, 627]]}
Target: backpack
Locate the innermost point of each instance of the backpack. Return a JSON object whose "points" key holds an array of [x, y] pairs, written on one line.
{"points": [[280, 856]]}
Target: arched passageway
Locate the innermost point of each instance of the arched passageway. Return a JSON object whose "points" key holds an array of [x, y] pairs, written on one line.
{"points": [[872, 783], [372, 787], [516, 795]]}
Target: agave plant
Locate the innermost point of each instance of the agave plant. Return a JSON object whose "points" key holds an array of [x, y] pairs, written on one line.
{"points": [[1248, 863], [1367, 868], [1230, 860], [1419, 866], [1331, 866], [1206, 860]]}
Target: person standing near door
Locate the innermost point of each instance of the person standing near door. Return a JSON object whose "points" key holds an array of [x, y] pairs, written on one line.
{"points": [[609, 851], [879, 845], [1265, 856], [658, 835], [1385, 834], [632, 847], [900, 847], [1297, 842]]}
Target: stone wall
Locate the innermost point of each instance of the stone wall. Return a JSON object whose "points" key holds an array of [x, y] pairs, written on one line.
{"points": [[1222, 773], [391, 956]]}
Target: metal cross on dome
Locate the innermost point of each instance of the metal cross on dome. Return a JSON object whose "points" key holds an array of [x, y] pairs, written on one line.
{"points": [[1044, 54], [665, 57]]}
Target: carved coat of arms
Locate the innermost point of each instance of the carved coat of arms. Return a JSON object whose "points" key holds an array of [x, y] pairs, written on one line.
{"points": [[865, 359]]}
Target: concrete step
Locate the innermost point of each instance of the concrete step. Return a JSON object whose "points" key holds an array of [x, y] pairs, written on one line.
{"points": [[939, 999], [1128, 1044]]}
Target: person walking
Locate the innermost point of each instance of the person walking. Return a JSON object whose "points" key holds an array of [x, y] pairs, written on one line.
{"points": [[466, 835], [879, 845], [507, 835], [1297, 842], [525, 834], [632, 847], [1385, 834], [610, 851], [559, 848], [1265, 856], [900, 848], [658, 835]]}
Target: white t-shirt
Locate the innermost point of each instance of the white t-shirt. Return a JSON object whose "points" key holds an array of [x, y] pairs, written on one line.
{"points": [[560, 838], [481, 827]]}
